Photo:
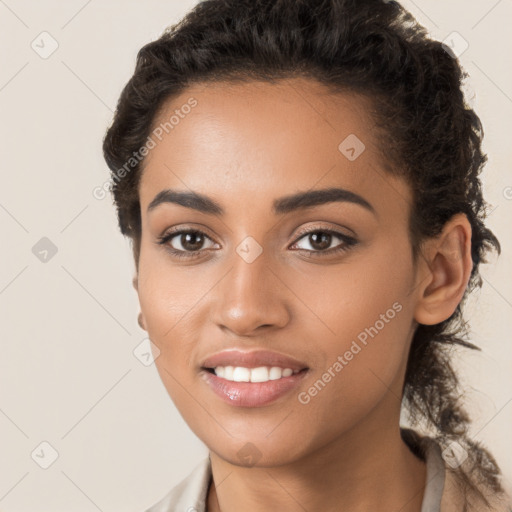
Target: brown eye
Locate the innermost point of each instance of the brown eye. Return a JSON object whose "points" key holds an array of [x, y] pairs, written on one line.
{"points": [[191, 241], [320, 241], [185, 241]]}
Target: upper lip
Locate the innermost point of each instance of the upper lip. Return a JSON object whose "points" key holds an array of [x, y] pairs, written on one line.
{"points": [[252, 359]]}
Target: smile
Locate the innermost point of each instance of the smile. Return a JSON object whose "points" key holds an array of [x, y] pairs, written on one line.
{"points": [[274, 383]]}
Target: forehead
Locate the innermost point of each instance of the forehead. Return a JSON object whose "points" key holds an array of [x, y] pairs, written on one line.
{"points": [[257, 140]]}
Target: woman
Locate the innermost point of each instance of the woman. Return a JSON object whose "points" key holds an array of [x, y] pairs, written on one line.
{"points": [[300, 180]]}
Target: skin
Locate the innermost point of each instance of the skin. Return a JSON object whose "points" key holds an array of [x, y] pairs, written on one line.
{"points": [[245, 145]]}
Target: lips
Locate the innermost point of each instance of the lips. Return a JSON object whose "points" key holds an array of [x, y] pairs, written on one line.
{"points": [[252, 359], [253, 394]]}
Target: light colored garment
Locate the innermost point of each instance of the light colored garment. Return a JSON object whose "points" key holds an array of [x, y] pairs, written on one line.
{"points": [[190, 494]]}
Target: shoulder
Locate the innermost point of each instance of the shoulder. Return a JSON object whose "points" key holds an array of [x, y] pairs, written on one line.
{"points": [[190, 494], [469, 478], [472, 496], [458, 496]]}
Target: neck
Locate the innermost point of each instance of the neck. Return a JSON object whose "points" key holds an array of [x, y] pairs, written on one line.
{"points": [[366, 468]]}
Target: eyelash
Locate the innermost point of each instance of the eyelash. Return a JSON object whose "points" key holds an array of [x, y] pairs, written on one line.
{"points": [[347, 243]]}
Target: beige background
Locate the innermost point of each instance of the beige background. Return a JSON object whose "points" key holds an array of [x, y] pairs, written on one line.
{"points": [[68, 375]]}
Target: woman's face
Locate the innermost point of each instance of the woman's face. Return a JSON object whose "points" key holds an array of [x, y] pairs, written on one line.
{"points": [[261, 270]]}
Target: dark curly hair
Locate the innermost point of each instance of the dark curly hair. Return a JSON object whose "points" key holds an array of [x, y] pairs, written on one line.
{"points": [[427, 133]]}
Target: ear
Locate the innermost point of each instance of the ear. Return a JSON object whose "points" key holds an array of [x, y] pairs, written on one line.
{"points": [[140, 318], [444, 272]]}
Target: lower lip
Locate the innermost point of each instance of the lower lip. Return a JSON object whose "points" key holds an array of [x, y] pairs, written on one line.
{"points": [[252, 394]]}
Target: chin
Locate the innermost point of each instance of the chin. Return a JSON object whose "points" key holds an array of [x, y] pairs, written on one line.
{"points": [[257, 453]]}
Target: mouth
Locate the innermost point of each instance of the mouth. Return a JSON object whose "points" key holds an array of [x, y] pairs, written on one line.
{"points": [[252, 379], [255, 387]]}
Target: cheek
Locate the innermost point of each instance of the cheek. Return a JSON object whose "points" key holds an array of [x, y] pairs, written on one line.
{"points": [[365, 298], [367, 307], [168, 305], [168, 294], [166, 302]]}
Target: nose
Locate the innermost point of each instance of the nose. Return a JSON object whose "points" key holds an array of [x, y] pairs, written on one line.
{"points": [[251, 298]]}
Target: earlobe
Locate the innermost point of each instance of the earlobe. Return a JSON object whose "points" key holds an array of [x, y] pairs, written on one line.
{"points": [[140, 321], [449, 265]]}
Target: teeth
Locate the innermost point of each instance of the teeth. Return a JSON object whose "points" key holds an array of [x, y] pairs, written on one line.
{"points": [[260, 374], [241, 374]]}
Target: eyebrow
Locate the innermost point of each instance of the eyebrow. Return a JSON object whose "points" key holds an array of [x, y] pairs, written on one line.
{"points": [[280, 206]]}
